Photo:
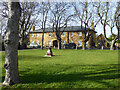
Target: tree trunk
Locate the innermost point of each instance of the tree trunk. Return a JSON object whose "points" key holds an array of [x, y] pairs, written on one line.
{"points": [[42, 41], [59, 44], [112, 44], [84, 46], [11, 40], [92, 40], [22, 44], [84, 42], [22, 40]]}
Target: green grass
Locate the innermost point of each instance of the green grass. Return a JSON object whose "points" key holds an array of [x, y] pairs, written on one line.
{"points": [[67, 69]]}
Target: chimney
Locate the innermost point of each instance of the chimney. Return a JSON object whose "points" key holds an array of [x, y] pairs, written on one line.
{"points": [[92, 25], [33, 28]]}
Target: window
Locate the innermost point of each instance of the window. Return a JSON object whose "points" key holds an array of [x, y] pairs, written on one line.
{"points": [[37, 35], [80, 33], [32, 35], [79, 43], [49, 43], [63, 42], [49, 34], [37, 42], [63, 34], [32, 42], [71, 41], [71, 34]]}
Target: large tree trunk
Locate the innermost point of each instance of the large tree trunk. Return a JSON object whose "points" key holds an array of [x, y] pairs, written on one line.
{"points": [[11, 40]]}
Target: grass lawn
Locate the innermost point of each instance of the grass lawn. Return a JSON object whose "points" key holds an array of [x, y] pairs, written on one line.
{"points": [[67, 69]]}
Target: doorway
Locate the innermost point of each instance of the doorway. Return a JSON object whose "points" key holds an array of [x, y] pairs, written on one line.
{"points": [[55, 43]]}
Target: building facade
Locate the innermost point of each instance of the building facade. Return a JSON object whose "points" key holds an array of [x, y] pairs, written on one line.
{"points": [[72, 34]]}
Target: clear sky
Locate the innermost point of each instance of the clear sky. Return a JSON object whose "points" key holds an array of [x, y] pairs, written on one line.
{"points": [[99, 30]]}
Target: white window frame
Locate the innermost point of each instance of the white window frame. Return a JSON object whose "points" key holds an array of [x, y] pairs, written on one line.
{"points": [[49, 43], [79, 43], [32, 42], [49, 34], [80, 33], [32, 35], [63, 42], [63, 34], [72, 42], [37, 42], [37, 35], [71, 34]]}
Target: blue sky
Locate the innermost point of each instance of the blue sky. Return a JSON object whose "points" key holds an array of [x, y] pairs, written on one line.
{"points": [[99, 30]]}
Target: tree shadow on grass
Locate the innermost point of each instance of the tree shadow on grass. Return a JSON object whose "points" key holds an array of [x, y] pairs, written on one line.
{"points": [[98, 77], [41, 78], [73, 77]]}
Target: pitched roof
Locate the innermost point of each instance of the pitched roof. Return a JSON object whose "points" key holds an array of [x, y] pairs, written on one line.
{"points": [[68, 29], [101, 36]]}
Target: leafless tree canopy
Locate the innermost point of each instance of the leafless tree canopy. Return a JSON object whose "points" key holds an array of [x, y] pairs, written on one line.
{"points": [[60, 15], [44, 8], [29, 17], [108, 18], [85, 13]]}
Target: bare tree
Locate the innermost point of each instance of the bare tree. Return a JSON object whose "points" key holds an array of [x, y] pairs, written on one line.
{"points": [[107, 19], [60, 17], [44, 10], [11, 44], [85, 15], [3, 24], [28, 18], [118, 23], [117, 19], [4, 9], [3, 16]]}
